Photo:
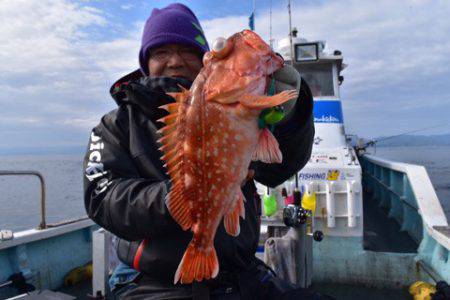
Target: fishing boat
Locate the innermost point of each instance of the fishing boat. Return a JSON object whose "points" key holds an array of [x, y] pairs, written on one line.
{"points": [[376, 226]]}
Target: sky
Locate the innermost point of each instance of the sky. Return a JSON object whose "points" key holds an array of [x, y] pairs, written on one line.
{"points": [[58, 59]]}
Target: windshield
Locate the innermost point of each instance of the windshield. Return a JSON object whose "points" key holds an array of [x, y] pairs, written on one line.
{"points": [[319, 78]]}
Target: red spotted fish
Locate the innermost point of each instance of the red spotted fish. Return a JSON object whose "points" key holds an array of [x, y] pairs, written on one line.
{"points": [[209, 139]]}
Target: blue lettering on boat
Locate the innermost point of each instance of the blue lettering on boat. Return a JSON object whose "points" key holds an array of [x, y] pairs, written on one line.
{"points": [[312, 176]]}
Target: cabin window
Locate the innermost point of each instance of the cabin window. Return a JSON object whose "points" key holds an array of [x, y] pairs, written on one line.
{"points": [[319, 78]]}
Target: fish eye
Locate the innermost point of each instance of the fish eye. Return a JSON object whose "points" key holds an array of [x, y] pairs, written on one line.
{"points": [[221, 47], [219, 44]]}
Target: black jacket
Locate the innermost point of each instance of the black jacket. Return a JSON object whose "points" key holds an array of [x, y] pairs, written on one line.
{"points": [[125, 183]]}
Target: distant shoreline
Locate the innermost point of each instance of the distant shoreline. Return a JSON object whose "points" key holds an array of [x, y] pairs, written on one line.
{"points": [[399, 141], [414, 140], [64, 150]]}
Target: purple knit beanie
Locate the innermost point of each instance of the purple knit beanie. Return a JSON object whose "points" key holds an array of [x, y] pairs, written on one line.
{"points": [[174, 24]]}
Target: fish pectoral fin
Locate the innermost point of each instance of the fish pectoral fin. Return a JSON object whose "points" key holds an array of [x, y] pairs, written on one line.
{"points": [[231, 219], [262, 102], [267, 150]]}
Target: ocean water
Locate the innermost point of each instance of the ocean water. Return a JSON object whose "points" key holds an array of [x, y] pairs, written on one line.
{"points": [[20, 196], [436, 159]]}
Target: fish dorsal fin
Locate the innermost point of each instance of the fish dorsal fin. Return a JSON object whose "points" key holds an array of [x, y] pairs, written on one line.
{"points": [[181, 97], [179, 199], [267, 150]]}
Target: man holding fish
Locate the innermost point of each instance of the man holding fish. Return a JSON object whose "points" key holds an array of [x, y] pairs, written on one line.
{"points": [[171, 171]]}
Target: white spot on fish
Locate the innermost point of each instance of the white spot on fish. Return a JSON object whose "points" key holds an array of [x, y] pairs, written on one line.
{"points": [[225, 135], [186, 147], [215, 151], [209, 175], [238, 137]]}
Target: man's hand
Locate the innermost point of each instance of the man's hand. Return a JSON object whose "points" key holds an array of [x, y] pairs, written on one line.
{"points": [[287, 78]]}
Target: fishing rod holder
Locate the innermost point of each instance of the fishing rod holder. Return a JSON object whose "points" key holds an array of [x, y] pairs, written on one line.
{"points": [[291, 255], [43, 223]]}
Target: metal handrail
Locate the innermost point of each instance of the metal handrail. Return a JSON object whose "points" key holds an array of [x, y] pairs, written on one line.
{"points": [[43, 224]]}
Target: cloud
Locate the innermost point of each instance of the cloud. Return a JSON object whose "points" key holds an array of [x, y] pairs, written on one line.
{"points": [[397, 53], [126, 6], [37, 35], [60, 57], [83, 123], [55, 67]]}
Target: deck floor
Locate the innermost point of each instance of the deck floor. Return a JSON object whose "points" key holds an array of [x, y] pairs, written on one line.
{"points": [[337, 291], [353, 292], [80, 290], [382, 233]]}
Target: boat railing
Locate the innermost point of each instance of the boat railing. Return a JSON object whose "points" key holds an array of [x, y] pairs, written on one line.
{"points": [[406, 191], [43, 223]]}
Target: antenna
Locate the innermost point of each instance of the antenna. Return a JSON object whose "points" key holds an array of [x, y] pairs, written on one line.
{"points": [[254, 8], [270, 26], [290, 33]]}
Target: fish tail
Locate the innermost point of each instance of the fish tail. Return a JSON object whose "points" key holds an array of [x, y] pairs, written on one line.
{"points": [[197, 264]]}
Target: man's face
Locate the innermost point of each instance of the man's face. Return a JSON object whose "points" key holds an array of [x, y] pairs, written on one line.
{"points": [[174, 60]]}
